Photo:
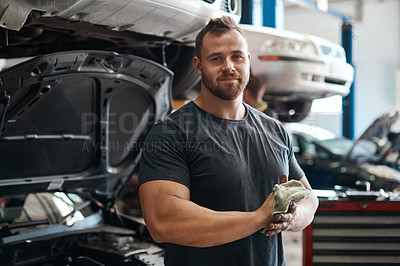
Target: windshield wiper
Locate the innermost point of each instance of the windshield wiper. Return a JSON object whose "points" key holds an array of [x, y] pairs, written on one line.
{"points": [[7, 226]]}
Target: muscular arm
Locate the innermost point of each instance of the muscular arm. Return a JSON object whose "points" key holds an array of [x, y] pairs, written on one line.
{"points": [[171, 217]]}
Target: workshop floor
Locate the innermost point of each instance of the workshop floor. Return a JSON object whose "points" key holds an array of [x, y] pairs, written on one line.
{"points": [[293, 245]]}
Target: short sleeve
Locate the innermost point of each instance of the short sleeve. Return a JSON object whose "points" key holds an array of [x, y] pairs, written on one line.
{"points": [[295, 171], [163, 155]]}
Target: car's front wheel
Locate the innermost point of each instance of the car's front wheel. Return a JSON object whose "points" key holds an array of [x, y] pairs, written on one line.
{"points": [[293, 111]]}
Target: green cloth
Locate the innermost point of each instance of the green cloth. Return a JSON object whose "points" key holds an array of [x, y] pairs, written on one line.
{"points": [[285, 193]]}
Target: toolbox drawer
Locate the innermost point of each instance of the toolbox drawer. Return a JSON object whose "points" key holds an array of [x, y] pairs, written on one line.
{"points": [[353, 233]]}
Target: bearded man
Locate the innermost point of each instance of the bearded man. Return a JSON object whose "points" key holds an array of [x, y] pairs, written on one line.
{"points": [[208, 170]]}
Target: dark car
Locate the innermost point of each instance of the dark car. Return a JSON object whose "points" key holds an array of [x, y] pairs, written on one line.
{"points": [[330, 161], [72, 127], [96, 76]]}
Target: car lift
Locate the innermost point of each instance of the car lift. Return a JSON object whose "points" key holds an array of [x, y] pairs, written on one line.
{"points": [[273, 16]]}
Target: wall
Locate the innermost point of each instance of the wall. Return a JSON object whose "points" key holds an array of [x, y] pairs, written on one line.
{"points": [[398, 87], [377, 28]]}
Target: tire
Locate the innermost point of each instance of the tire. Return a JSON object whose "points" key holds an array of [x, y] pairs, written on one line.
{"points": [[293, 111]]}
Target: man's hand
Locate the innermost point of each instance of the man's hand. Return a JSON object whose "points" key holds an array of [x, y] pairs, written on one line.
{"points": [[283, 179], [282, 221], [299, 214], [265, 211]]}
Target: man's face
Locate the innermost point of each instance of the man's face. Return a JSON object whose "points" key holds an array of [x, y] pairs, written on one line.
{"points": [[225, 64]]}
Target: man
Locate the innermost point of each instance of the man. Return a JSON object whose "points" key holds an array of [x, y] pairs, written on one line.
{"points": [[394, 138], [208, 170], [254, 92], [253, 95]]}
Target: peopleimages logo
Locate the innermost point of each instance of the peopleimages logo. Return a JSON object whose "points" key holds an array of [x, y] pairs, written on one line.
{"points": [[117, 126], [124, 123], [126, 131], [129, 123], [114, 146]]}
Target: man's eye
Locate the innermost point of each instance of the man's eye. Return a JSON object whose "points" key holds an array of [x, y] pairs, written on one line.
{"points": [[237, 57], [217, 59]]}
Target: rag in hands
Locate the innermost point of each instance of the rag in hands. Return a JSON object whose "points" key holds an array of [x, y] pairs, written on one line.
{"points": [[284, 193], [287, 192]]}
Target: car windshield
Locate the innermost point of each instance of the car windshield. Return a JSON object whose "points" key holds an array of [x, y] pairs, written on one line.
{"points": [[380, 143], [41, 209], [338, 146], [364, 150], [324, 138]]}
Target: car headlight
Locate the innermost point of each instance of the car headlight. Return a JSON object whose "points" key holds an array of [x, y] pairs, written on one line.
{"points": [[288, 48], [333, 51]]}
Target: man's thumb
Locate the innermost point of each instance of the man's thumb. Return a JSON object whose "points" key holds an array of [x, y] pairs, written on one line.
{"points": [[284, 179]]}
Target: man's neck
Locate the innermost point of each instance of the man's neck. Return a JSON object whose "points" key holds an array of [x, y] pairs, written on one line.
{"points": [[228, 109]]}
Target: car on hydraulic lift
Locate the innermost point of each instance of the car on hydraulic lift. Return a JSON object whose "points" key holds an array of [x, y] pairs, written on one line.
{"points": [[159, 30], [330, 161], [74, 116], [296, 69]]}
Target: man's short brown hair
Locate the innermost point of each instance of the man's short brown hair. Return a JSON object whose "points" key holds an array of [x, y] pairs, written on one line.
{"points": [[216, 27]]}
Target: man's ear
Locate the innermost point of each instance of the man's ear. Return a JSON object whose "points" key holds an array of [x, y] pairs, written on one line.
{"points": [[197, 65]]}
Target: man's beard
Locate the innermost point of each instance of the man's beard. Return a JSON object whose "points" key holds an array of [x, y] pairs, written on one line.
{"points": [[229, 91]]}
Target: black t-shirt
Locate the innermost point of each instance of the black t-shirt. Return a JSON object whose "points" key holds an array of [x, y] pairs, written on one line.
{"points": [[228, 165]]}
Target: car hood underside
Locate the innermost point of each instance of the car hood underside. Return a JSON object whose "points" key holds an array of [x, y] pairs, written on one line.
{"points": [[75, 121]]}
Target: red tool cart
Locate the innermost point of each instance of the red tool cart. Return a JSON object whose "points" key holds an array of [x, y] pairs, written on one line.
{"points": [[353, 232]]}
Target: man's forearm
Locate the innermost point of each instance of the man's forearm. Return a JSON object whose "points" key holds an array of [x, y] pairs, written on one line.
{"points": [[305, 213], [186, 223], [172, 217]]}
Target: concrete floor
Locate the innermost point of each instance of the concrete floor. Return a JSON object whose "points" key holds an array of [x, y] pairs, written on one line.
{"points": [[293, 245]]}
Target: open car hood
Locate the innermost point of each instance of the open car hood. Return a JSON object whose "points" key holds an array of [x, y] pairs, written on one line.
{"points": [[75, 121], [374, 142]]}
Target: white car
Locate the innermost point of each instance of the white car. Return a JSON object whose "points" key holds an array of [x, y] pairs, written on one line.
{"points": [[160, 30], [297, 68]]}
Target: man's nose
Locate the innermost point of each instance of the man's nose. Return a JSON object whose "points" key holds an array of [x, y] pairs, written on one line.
{"points": [[228, 66]]}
